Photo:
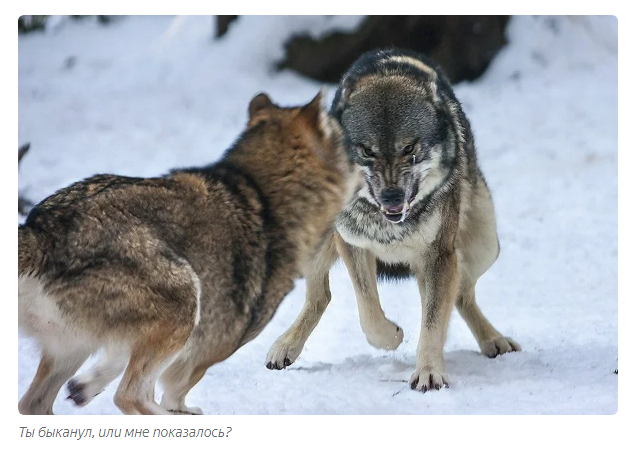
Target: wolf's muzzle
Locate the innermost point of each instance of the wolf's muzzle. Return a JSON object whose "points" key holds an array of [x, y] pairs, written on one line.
{"points": [[392, 198], [393, 204]]}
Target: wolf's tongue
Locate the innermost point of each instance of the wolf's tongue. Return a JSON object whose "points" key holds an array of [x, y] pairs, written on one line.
{"points": [[395, 208]]}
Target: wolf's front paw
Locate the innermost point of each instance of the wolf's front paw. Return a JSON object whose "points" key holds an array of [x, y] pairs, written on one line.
{"points": [[498, 346], [386, 335], [427, 379], [282, 354]]}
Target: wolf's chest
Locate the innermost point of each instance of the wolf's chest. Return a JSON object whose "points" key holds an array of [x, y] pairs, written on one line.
{"points": [[363, 226]]}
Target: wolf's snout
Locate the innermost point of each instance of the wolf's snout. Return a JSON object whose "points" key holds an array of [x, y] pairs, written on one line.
{"points": [[393, 205], [392, 199]]}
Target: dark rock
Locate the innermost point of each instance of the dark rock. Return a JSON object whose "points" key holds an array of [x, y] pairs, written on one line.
{"points": [[463, 45]]}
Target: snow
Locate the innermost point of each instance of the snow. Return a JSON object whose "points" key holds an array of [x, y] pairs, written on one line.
{"points": [[145, 94]]}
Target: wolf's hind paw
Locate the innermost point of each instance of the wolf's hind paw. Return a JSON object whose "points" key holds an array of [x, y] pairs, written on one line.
{"points": [[77, 393], [186, 411]]}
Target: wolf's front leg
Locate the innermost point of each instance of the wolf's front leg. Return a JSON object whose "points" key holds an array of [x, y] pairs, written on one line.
{"points": [[361, 264], [438, 281], [288, 346]]}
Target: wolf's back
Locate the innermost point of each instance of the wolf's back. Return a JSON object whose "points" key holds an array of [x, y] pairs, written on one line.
{"points": [[30, 254]]}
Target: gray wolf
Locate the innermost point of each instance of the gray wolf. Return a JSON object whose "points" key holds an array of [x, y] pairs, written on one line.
{"points": [[425, 211], [181, 270]]}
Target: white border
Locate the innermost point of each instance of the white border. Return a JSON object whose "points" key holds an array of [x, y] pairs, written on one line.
{"points": [[384, 435]]}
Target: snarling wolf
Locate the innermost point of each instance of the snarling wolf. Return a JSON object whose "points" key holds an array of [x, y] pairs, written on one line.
{"points": [[181, 270], [425, 211]]}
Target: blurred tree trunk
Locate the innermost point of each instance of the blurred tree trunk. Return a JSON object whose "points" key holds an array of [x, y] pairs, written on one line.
{"points": [[24, 205], [30, 23], [223, 23]]}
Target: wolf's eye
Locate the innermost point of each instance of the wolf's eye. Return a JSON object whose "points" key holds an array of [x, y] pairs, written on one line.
{"points": [[409, 148], [365, 151]]}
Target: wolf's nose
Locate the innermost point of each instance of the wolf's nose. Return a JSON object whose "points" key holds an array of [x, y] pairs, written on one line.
{"points": [[392, 197]]}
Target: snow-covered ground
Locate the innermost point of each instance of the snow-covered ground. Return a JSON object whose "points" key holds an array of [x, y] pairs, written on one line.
{"points": [[146, 94]]}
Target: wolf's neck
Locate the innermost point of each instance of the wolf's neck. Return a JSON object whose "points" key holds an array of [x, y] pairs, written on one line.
{"points": [[301, 202]]}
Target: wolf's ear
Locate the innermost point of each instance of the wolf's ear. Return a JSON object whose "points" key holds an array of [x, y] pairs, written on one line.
{"points": [[258, 103], [316, 126], [341, 96], [258, 109], [315, 111]]}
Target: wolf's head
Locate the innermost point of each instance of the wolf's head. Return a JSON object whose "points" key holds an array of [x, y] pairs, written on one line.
{"points": [[402, 132], [297, 155], [305, 139]]}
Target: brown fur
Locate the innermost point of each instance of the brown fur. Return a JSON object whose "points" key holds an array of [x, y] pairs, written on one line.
{"points": [[189, 266]]}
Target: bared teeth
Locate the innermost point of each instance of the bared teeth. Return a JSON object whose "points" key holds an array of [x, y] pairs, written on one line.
{"points": [[403, 211], [384, 210]]}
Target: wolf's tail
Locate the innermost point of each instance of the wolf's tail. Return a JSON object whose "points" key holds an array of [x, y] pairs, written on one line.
{"points": [[30, 254]]}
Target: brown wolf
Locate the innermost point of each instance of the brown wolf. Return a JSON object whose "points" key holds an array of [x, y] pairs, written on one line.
{"points": [[182, 269]]}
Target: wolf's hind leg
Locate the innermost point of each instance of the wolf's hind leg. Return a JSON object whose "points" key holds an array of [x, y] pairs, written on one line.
{"points": [[159, 340], [179, 378], [490, 341], [479, 249], [288, 346], [361, 264], [87, 385], [55, 368], [149, 354]]}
